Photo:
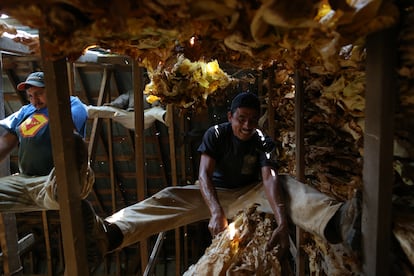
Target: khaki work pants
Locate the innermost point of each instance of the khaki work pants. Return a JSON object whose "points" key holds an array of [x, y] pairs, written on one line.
{"points": [[127, 118], [23, 193], [177, 206]]}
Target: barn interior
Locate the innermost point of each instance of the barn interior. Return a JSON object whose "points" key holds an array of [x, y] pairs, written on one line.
{"points": [[335, 80]]}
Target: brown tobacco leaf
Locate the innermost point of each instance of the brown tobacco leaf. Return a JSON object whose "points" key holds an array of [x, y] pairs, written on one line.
{"points": [[243, 255]]}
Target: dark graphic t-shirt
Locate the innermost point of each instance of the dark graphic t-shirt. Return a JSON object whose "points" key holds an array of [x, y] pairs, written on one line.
{"points": [[238, 163]]}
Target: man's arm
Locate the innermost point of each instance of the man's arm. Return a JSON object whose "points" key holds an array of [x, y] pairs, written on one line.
{"points": [[218, 221], [276, 200], [8, 142]]}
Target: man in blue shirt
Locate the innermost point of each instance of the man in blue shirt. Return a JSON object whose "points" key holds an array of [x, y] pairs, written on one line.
{"points": [[34, 187]]}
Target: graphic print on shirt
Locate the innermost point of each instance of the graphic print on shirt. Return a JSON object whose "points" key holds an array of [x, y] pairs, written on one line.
{"points": [[32, 125], [248, 166]]}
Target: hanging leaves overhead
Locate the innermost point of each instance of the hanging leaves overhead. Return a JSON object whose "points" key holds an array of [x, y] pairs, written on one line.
{"points": [[246, 33], [185, 83]]}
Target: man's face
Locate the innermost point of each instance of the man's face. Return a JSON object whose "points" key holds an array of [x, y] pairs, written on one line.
{"points": [[244, 122], [37, 96]]}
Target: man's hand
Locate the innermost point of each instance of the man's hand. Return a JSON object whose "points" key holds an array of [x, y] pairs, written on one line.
{"points": [[218, 221], [217, 224], [280, 236]]}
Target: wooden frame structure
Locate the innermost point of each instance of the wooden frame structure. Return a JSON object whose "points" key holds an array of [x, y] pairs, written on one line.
{"points": [[377, 162]]}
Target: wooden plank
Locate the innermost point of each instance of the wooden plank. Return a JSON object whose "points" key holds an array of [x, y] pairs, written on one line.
{"points": [[83, 93], [9, 245], [13, 81], [111, 163], [11, 47], [270, 110], [174, 179], [300, 163], [139, 149], [96, 125], [73, 73], [115, 176], [91, 57], [23, 246], [378, 152], [112, 180], [154, 255], [8, 227], [64, 156], [183, 165], [71, 77], [47, 243], [96, 130]]}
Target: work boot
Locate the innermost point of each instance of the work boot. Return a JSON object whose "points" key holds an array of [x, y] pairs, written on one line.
{"points": [[155, 113], [131, 104], [122, 101], [350, 222], [101, 237]]}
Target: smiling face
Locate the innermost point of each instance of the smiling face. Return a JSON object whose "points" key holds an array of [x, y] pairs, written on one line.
{"points": [[37, 96], [244, 122]]}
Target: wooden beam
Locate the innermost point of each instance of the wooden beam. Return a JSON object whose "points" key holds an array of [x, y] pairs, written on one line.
{"points": [[13, 81], [154, 255], [270, 108], [96, 132], [83, 93], [9, 46], [9, 245], [96, 125], [378, 152], [47, 243], [112, 173], [171, 135], [90, 57], [8, 226], [23, 246], [139, 149], [64, 155], [73, 73], [183, 166], [300, 163]]}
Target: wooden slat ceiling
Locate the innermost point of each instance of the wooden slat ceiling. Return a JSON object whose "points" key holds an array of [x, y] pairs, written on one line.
{"points": [[247, 33]]}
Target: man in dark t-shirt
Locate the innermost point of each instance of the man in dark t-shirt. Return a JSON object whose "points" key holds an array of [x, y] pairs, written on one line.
{"points": [[233, 155], [237, 170], [238, 162]]}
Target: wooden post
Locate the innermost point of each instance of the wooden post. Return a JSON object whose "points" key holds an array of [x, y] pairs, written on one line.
{"points": [[8, 227], [183, 178], [378, 152], [97, 122], [171, 133], [300, 163], [47, 243], [9, 245], [139, 149], [270, 108], [64, 155]]}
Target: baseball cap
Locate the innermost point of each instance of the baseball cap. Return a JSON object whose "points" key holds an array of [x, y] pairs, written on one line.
{"points": [[245, 99], [34, 79]]}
